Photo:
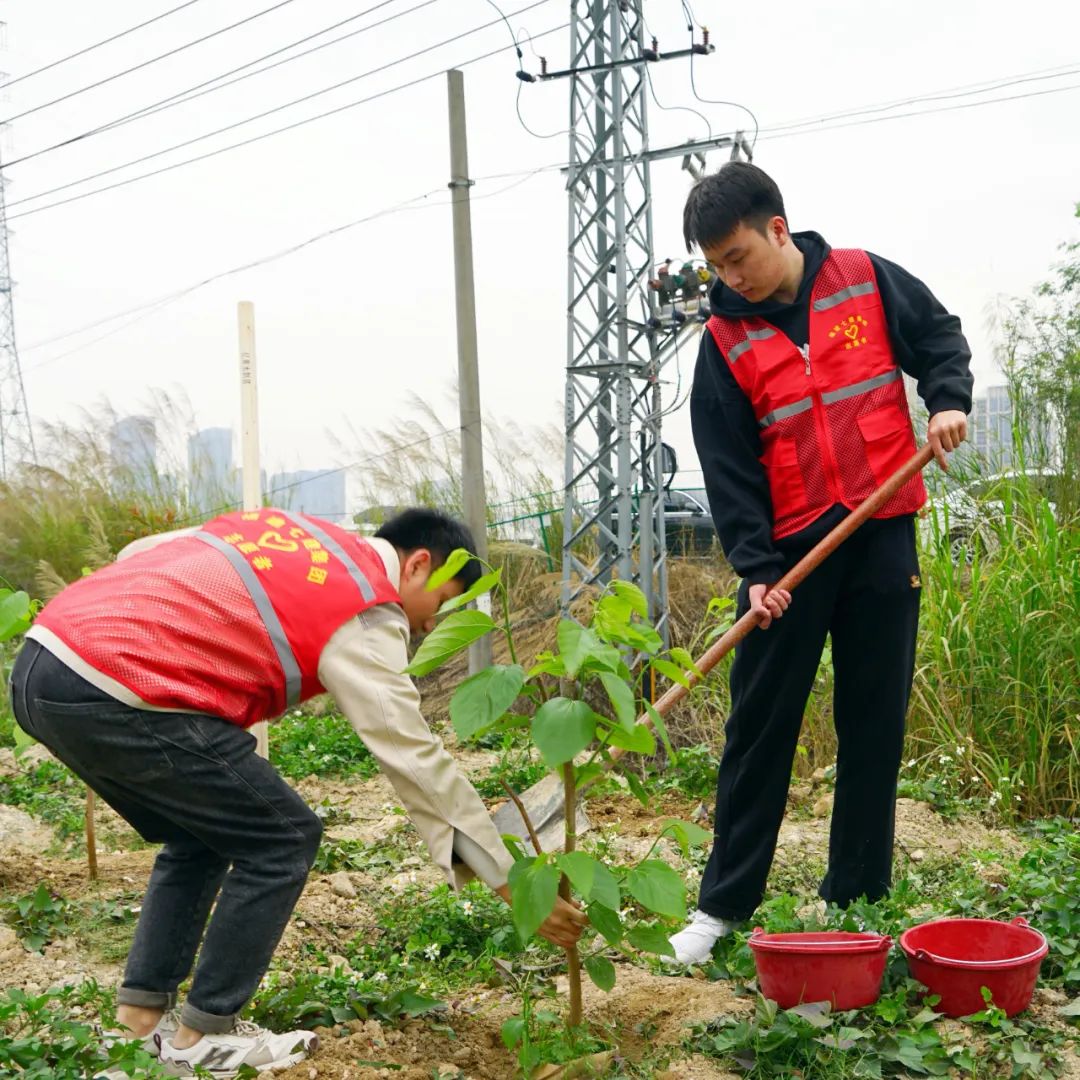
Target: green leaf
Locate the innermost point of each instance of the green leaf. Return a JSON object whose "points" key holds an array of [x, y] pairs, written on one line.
{"points": [[454, 562], [576, 644], [483, 585], [650, 939], [413, 1004], [606, 921], [638, 741], [512, 1031], [534, 887], [563, 728], [483, 698], [454, 633], [629, 592], [659, 888], [686, 833], [672, 671], [622, 699], [547, 664], [15, 614], [580, 869], [637, 788], [602, 972], [684, 660], [605, 888], [661, 727]]}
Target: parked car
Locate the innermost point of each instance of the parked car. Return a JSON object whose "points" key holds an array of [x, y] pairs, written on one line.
{"points": [[966, 517], [688, 525]]}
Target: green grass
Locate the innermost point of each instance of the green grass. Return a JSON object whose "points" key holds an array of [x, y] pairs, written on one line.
{"points": [[303, 745], [51, 792], [899, 1036]]}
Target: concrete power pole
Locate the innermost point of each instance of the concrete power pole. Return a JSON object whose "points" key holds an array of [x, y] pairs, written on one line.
{"points": [[474, 501]]}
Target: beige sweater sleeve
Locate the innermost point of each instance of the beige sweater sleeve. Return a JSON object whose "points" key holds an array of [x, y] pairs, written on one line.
{"points": [[361, 667]]}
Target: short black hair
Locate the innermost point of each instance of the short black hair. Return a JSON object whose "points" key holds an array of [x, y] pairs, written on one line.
{"points": [[423, 527], [737, 194]]}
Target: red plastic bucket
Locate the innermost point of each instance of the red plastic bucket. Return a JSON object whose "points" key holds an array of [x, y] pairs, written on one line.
{"points": [[841, 968], [955, 958]]}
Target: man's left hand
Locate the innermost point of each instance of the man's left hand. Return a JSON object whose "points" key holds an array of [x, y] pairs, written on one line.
{"points": [[946, 431]]}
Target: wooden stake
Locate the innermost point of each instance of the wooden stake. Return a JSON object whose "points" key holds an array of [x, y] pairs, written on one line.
{"points": [[91, 835]]}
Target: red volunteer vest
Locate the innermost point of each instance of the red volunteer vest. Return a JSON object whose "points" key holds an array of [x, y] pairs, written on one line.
{"points": [[834, 423], [229, 621]]}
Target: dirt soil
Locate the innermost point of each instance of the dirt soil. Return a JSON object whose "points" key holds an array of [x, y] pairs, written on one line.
{"points": [[644, 1012]]}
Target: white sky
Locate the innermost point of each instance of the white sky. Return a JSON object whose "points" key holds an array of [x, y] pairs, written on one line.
{"points": [[973, 201]]}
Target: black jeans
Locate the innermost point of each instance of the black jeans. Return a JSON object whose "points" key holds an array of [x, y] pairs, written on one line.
{"points": [[232, 829], [866, 595]]}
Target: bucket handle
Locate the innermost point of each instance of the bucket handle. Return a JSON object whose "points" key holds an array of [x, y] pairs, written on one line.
{"points": [[1011, 961]]}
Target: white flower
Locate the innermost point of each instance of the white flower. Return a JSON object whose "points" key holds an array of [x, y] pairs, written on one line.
{"points": [[432, 951], [1016, 797], [995, 797], [944, 759], [379, 977], [911, 763], [961, 750], [467, 907]]}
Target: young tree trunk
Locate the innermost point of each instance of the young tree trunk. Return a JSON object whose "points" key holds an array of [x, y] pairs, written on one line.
{"points": [[573, 961]]}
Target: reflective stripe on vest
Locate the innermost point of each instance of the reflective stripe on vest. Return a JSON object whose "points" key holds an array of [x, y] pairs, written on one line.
{"points": [[290, 668], [751, 336], [826, 302], [864, 387], [796, 407], [335, 549]]}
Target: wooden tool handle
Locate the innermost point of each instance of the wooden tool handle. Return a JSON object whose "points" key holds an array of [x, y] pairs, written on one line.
{"points": [[795, 576]]}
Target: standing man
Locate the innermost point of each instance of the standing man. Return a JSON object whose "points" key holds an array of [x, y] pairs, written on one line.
{"points": [[799, 413], [143, 678]]}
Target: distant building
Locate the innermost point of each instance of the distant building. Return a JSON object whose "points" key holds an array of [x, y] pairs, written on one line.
{"points": [[992, 432], [213, 480], [320, 492], [133, 453]]}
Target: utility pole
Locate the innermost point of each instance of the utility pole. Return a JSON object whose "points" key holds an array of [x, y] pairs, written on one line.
{"points": [[16, 435], [474, 501], [250, 486], [618, 340]]}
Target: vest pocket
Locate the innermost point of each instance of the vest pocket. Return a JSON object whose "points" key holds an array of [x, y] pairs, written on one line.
{"points": [[781, 461], [889, 440]]}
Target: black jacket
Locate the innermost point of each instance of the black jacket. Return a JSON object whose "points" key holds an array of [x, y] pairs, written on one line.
{"points": [[927, 342]]}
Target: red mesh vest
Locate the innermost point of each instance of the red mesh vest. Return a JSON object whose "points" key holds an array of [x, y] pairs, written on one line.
{"points": [[229, 621], [835, 422]]}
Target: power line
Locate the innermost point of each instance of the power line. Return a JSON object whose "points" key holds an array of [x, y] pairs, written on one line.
{"points": [[192, 93], [950, 93], [147, 63], [921, 112], [96, 45], [263, 115], [152, 307]]}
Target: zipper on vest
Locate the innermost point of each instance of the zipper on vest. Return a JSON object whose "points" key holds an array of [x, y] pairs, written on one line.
{"points": [[823, 433]]}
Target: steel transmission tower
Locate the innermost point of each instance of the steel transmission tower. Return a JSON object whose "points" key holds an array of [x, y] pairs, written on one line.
{"points": [[617, 343], [16, 436]]}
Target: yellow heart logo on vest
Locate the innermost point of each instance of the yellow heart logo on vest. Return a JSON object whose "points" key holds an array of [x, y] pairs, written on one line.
{"points": [[852, 328], [276, 542]]}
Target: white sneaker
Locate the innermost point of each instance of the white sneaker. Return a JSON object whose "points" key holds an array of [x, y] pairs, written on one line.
{"points": [[694, 944], [165, 1029], [247, 1044]]}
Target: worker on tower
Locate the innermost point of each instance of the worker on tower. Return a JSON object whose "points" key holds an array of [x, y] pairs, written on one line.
{"points": [[799, 412], [144, 677]]}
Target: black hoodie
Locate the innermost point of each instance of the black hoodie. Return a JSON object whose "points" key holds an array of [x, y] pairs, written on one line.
{"points": [[928, 345]]}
